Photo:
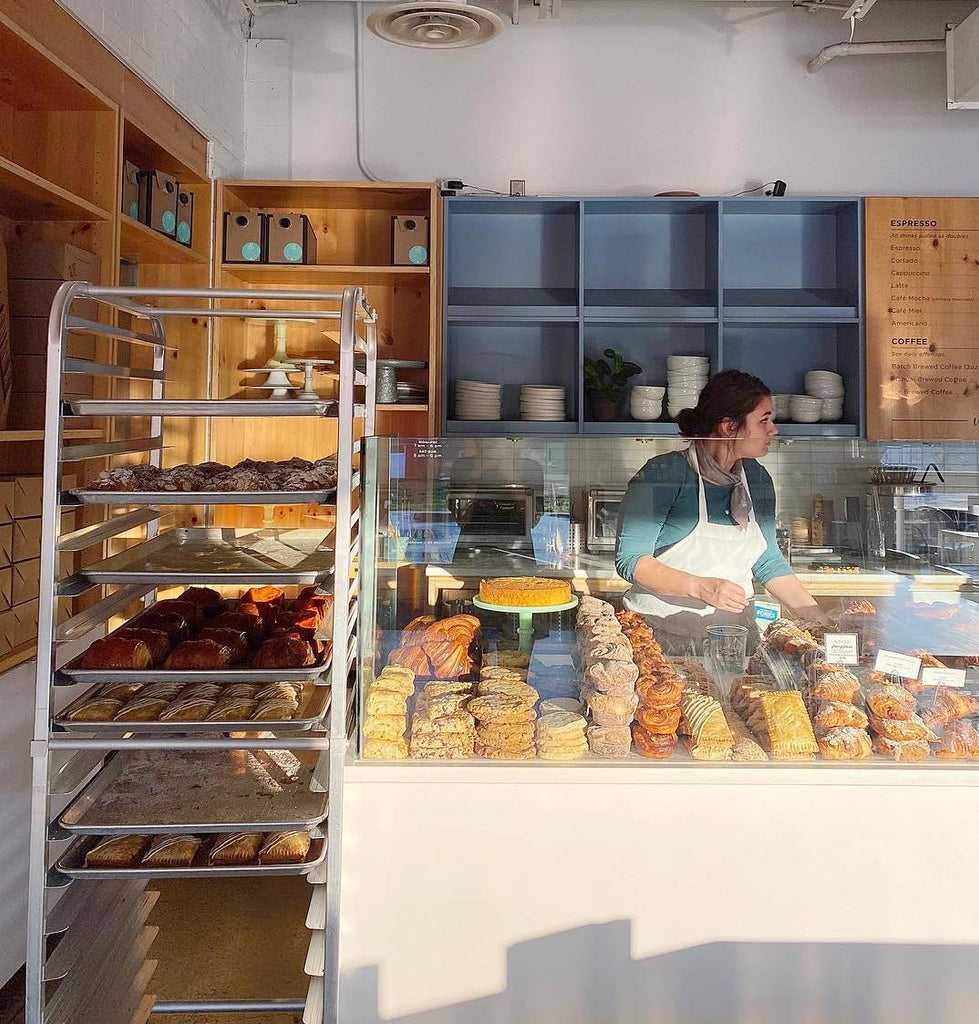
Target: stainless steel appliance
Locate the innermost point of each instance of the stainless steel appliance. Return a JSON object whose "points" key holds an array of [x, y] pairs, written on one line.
{"points": [[500, 517], [603, 518]]}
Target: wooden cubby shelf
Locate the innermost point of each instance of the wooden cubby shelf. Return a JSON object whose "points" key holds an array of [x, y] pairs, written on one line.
{"points": [[140, 244], [25, 195], [315, 275]]}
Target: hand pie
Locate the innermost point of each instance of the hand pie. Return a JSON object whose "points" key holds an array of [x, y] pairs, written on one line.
{"points": [[142, 709], [285, 848], [275, 709], [232, 709], [187, 709], [116, 852], [235, 848], [175, 851], [100, 709]]}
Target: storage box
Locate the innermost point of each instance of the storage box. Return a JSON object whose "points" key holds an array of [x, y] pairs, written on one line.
{"points": [[245, 237], [409, 241], [26, 539], [6, 543], [158, 201], [26, 581], [31, 296], [130, 190], [291, 238], [20, 496], [18, 627], [53, 261], [5, 577], [185, 217]]}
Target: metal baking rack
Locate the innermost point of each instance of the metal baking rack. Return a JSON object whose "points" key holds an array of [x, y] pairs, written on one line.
{"points": [[101, 972]]}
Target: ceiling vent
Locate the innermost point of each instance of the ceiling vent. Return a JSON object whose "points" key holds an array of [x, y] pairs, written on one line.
{"points": [[435, 24]]}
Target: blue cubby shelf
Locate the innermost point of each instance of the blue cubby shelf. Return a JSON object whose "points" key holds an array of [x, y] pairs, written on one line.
{"points": [[770, 285]]}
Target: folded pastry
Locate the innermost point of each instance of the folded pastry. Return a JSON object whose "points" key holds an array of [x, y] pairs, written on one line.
{"points": [[283, 652], [275, 709], [162, 690], [199, 654], [176, 627], [116, 852], [945, 704], [703, 720], [142, 709], [779, 719], [898, 750], [303, 624], [449, 658], [251, 625], [659, 720], [833, 682], [232, 709], [845, 743], [235, 848], [190, 610], [120, 691], [236, 640], [209, 601], [98, 709], [117, 653], [890, 700], [959, 740], [248, 690], [156, 641], [832, 714], [285, 848], [912, 728], [188, 709], [284, 691], [746, 747], [174, 851], [609, 710]]}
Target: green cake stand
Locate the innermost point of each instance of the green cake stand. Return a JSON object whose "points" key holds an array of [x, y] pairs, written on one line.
{"points": [[525, 630]]}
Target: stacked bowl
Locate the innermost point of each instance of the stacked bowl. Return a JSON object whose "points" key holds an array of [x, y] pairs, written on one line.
{"points": [[477, 400], [827, 386], [686, 377], [805, 408], [780, 408], [542, 402]]}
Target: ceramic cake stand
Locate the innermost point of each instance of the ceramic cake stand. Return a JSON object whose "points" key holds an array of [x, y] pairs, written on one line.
{"points": [[525, 630]]}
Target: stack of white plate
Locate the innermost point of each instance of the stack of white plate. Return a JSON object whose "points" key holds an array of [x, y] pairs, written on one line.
{"points": [[685, 379], [542, 402], [477, 400], [828, 386]]}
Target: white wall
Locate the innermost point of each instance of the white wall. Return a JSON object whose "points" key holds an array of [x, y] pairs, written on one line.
{"points": [[191, 51], [620, 96]]}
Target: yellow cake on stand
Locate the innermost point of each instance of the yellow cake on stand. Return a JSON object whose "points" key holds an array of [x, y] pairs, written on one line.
{"points": [[525, 592]]}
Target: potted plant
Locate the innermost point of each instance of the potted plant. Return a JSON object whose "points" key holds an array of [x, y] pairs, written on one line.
{"points": [[606, 381]]}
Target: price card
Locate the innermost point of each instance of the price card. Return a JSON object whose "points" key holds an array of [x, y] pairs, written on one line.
{"points": [[842, 649], [894, 664], [943, 677]]}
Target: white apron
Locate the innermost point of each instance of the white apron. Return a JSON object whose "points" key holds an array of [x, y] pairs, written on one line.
{"points": [[710, 549]]}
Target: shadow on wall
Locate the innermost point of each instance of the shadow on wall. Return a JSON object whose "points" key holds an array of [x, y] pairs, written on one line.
{"points": [[587, 976]]}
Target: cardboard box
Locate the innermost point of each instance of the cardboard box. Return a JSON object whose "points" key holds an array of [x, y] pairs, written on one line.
{"points": [[291, 239], [158, 201], [26, 539], [5, 577], [6, 543], [6, 500], [31, 296], [130, 190], [245, 237], [29, 337], [53, 261], [185, 218], [18, 627], [26, 581], [409, 241]]}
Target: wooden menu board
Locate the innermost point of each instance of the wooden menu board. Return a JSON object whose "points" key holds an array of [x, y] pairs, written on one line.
{"points": [[922, 259]]}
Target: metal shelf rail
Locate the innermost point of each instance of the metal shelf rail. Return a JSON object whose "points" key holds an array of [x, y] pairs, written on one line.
{"points": [[98, 970]]}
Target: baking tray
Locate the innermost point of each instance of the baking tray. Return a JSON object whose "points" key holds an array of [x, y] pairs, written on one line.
{"points": [[321, 497], [152, 792], [72, 864], [215, 556], [312, 708]]}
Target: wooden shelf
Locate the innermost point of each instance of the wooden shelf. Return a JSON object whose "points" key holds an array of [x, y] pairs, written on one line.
{"points": [[140, 244], [10, 436], [306, 275], [402, 407], [144, 151], [398, 197], [27, 196]]}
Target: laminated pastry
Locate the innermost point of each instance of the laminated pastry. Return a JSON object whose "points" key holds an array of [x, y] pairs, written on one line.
{"points": [[236, 640], [778, 718], [703, 720], [509, 687], [890, 700], [414, 630], [285, 847], [959, 739], [615, 677], [449, 659], [833, 714], [501, 707], [845, 743], [235, 848], [385, 727], [199, 654], [411, 657], [175, 626], [117, 852], [174, 851], [385, 702], [232, 709], [658, 746], [99, 709], [787, 637], [746, 747], [209, 691], [268, 595], [120, 691], [898, 750], [209, 601], [156, 641], [912, 728], [115, 652], [142, 709], [248, 690], [284, 691], [188, 709], [303, 624], [945, 704], [614, 741], [832, 682], [162, 691], [660, 693], [659, 720], [283, 652], [251, 625], [608, 710], [384, 750], [525, 591], [188, 610], [275, 709]]}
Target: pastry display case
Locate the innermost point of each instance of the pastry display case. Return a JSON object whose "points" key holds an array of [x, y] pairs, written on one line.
{"points": [[474, 651], [192, 713]]}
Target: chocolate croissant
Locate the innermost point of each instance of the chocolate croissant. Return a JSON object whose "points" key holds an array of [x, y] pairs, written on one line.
{"points": [[155, 639], [117, 653]]}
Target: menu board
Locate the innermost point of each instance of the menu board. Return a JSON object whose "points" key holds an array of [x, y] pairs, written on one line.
{"points": [[922, 259]]}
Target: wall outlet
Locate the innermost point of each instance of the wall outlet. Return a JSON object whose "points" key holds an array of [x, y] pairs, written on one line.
{"points": [[518, 187]]}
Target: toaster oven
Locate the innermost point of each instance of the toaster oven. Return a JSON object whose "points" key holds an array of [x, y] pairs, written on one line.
{"points": [[603, 518], [500, 517]]}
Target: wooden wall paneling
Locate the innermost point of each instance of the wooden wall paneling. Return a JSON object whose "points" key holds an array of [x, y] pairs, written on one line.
{"points": [[922, 314]]}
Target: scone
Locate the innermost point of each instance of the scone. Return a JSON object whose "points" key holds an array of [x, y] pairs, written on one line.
{"points": [[385, 750]]}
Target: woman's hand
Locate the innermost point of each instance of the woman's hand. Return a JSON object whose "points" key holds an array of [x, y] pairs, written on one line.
{"points": [[721, 594]]}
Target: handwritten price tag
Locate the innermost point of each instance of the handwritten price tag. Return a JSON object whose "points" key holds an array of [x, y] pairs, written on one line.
{"points": [[894, 664], [841, 648], [943, 677]]}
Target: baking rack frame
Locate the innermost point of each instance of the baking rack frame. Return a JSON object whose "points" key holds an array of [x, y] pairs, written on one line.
{"points": [[108, 975]]}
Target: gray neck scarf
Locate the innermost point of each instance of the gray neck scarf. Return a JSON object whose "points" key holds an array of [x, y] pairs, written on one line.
{"points": [[712, 473]]}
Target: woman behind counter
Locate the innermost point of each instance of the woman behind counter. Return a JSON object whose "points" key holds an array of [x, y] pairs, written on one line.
{"points": [[697, 526]]}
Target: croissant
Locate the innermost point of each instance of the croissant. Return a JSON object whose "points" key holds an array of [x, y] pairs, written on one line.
{"points": [[447, 629], [283, 652], [117, 653], [912, 728], [946, 705], [449, 658], [845, 743], [910, 750], [199, 654], [960, 740], [832, 714], [156, 640], [412, 657], [889, 700]]}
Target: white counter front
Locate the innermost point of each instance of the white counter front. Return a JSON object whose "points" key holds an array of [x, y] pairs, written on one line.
{"points": [[701, 894]]}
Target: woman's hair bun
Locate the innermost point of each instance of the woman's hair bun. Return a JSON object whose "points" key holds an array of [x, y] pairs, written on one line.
{"points": [[690, 424]]}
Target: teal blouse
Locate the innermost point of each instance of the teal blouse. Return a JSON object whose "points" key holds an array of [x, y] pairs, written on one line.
{"points": [[660, 508]]}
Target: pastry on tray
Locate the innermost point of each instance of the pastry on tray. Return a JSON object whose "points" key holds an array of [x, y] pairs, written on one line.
{"points": [[232, 709], [283, 652], [142, 709], [209, 691], [285, 847], [98, 709], [173, 851], [187, 709], [235, 848], [275, 709], [247, 690], [251, 625], [117, 852], [117, 653], [268, 595], [199, 655], [120, 691], [303, 623], [162, 690], [236, 640], [525, 591], [176, 627], [155, 639], [208, 600], [191, 611]]}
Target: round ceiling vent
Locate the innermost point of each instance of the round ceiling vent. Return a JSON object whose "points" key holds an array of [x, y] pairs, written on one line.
{"points": [[437, 24]]}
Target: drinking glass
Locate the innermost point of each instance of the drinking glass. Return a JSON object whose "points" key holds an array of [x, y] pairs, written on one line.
{"points": [[725, 649]]}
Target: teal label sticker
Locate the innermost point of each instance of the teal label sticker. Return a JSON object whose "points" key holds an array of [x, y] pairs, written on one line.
{"points": [[169, 220], [418, 254], [183, 232], [293, 252], [134, 210], [251, 251]]}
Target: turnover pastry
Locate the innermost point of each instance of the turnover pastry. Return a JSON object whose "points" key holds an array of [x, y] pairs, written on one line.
{"points": [[208, 600], [746, 747], [117, 653], [163, 690], [898, 750], [117, 852], [890, 700], [235, 848], [99, 709], [912, 728], [251, 625], [156, 641], [275, 709], [833, 714], [845, 743], [120, 691], [199, 654], [176, 851], [190, 610], [175, 626], [285, 847]]}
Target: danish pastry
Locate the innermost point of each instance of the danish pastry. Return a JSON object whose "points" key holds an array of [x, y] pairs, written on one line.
{"points": [[285, 848], [659, 745], [235, 848], [117, 852], [175, 851]]}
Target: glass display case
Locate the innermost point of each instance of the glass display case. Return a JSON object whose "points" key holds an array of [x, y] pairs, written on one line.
{"points": [[503, 621]]}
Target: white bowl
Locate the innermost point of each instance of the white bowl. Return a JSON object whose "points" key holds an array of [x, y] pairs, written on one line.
{"points": [[687, 362], [649, 391], [684, 393], [827, 375], [679, 379], [805, 409], [833, 394]]}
